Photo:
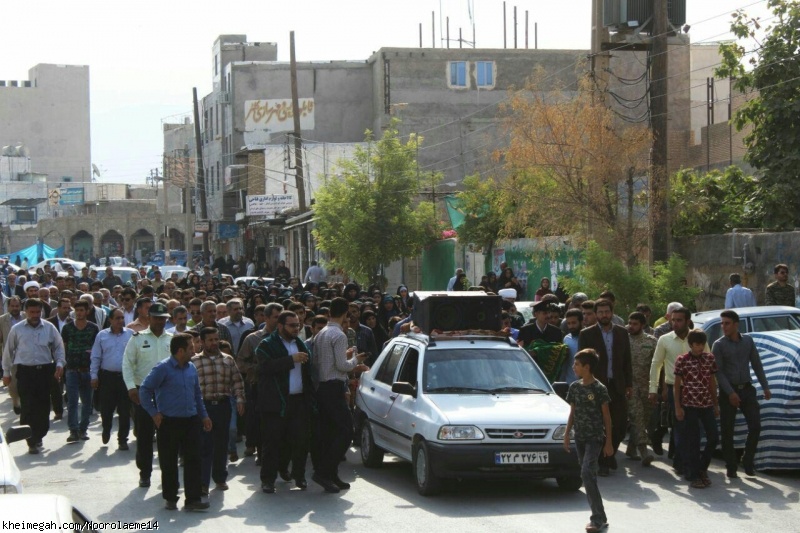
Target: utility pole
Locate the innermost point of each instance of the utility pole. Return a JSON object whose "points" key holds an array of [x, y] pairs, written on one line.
{"points": [[187, 207], [298, 155], [659, 179], [201, 175], [163, 179]]}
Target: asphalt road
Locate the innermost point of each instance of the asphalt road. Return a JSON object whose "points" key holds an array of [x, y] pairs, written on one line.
{"points": [[102, 482]]}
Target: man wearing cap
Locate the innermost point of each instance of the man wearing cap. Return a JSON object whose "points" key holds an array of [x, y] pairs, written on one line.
{"points": [[36, 348], [142, 352]]}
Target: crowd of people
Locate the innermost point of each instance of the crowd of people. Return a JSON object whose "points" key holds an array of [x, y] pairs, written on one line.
{"points": [[197, 364]]}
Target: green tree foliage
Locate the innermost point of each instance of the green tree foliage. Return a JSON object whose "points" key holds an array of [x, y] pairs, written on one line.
{"points": [[773, 143], [487, 206], [715, 202], [632, 285], [368, 218]]}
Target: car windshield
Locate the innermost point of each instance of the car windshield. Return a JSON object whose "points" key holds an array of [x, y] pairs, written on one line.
{"points": [[482, 371]]}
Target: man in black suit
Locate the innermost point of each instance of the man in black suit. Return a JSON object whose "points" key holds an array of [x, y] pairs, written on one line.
{"points": [[539, 327], [612, 344], [12, 289]]}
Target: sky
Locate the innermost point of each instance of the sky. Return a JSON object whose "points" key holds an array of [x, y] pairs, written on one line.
{"points": [[145, 57]]}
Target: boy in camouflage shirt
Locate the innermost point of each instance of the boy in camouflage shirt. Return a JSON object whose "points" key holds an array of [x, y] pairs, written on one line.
{"points": [[591, 419]]}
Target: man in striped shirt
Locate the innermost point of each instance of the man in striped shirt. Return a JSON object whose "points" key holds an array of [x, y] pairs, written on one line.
{"points": [[219, 380], [331, 362]]}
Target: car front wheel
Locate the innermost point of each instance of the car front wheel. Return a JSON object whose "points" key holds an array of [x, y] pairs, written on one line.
{"points": [[371, 455], [427, 482]]}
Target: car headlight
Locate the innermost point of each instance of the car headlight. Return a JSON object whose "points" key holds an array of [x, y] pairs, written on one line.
{"points": [[560, 431], [460, 433]]}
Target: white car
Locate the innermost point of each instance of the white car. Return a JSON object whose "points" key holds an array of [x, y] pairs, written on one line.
{"points": [[251, 281], [10, 477], [126, 274], [65, 262], [751, 320], [469, 406], [39, 511], [167, 270]]}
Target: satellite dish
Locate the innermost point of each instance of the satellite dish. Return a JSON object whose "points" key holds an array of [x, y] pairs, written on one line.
{"points": [[8, 151], [22, 150], [95, 170]]}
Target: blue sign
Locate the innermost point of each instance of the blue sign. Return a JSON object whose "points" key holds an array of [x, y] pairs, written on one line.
{"points": [[71, 196], [227, 231]]}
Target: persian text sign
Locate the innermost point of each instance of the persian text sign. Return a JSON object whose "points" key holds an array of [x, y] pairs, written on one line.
{"points": [[276, 115], [268, 204]]}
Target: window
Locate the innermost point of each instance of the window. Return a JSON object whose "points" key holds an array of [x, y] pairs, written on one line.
{"points": [[484, 73], [25, 215], [458, 74], [408, 372], [389, 366]]}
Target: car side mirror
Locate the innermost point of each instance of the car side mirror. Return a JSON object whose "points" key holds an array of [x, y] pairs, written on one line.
{"points": [[402, 387], [17, 433], [561, 388]]}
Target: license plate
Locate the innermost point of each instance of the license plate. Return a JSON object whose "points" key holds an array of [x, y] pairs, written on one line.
{"points": [[521, 458]]}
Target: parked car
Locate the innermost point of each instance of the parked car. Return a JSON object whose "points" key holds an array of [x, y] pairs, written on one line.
{"points": [[751, 320], [780, 422], [525, 308], [10, 477], [167, 270], [65, 262], [470, 406], [125, 273], [253, 281], [44, 509]]}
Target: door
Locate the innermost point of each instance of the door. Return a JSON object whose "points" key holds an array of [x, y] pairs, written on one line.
{"points": [[403, 415], [377, 394]]}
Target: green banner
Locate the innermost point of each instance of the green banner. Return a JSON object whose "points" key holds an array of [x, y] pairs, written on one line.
{"points": [[531, 263], [438, 265], [455, 210]]}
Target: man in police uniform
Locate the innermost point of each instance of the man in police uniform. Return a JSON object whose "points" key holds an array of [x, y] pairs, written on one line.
{"points": [[143, 351]]}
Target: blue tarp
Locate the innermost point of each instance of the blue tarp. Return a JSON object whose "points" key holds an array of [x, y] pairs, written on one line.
{"points": [[36, 253]]}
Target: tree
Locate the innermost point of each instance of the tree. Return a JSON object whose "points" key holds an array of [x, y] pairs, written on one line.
{"points": [[368, 218], [773, 143], [487, 206], [632, 285], [715, 202], [575, 167]]}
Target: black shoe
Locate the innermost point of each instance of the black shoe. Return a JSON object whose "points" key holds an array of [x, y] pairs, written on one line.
{"points": [[658, 447], [73, 437], [341, 484], [84, 435], [33, 450], [221, 486], [301, 484], [612, 462], [284, 474], [170, 506], [18, 410], [196, 506], [326, 484], [602, 471], [268, 487], [106, 436], [203, 490], [732, 473], [248, 451], [57, 417], [144, 481], [750, 470], [123, 446]]}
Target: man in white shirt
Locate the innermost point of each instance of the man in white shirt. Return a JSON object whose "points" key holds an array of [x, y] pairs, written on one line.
{"points": [[452, 282], [315, 273], [738, 296]]}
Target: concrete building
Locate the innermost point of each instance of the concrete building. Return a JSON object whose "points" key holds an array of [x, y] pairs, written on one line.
{"points": [[49, 114]]}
